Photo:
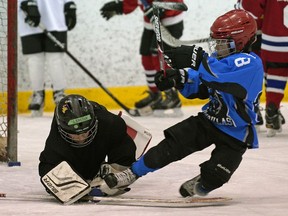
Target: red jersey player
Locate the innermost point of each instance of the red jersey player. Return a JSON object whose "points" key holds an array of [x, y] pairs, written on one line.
{"points": [[173, 21], [274, 54]]}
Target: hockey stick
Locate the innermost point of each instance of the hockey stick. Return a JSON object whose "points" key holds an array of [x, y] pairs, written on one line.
{"points": [[158, 27], [132, 112], [173, 42], [171, 5], [166, 36], [157, 30]]}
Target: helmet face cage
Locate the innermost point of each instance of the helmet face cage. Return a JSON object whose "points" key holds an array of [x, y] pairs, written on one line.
{"points": [[220, 48], [237, 27], [80, 143], [75, 117]]}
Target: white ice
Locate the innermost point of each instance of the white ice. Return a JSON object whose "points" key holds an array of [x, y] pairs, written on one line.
{"points": [[258, 187]]}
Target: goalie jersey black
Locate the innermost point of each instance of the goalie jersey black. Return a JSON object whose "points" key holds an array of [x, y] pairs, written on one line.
{"points": [[111, 141]]}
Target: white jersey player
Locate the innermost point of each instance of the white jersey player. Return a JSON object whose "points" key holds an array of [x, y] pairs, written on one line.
{"points": [[40, 52]]}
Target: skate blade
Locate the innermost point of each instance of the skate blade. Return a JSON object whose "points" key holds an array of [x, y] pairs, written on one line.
{"points": [[36, 113], [273, 132], [176, 112], [145, 111]]}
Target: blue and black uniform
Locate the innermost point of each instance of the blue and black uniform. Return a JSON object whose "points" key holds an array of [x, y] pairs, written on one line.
{"points": [[233, 86]]}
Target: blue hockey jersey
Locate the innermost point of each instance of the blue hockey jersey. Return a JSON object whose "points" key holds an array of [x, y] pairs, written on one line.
{"points": [[233, 85]]}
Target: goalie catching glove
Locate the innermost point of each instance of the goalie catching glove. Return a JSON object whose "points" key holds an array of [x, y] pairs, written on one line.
{"points": [[184, 57], [112, 8], [99, 186], [173, 78]]}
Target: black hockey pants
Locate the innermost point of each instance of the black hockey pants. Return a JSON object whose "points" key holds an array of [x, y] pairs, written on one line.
{"points": [[195, 134]]}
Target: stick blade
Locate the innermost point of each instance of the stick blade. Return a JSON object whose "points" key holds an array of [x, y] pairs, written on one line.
{"points": [[171, 5]]}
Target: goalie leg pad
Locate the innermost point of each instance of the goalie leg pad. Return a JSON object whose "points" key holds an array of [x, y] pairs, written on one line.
{"points": [[65, 184]]}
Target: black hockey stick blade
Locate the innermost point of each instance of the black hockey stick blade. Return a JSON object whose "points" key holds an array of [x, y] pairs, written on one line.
{"points": [[171, 5]]}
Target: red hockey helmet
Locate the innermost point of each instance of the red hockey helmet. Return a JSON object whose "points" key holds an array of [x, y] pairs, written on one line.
{"points": [[236, 26]]}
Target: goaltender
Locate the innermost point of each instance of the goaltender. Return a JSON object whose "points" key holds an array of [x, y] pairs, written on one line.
{"points": [[83, 135]]}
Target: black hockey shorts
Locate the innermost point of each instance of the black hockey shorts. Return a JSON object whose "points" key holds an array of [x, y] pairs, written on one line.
{"points": [[195, 134], [38, 43], [148, 44]]}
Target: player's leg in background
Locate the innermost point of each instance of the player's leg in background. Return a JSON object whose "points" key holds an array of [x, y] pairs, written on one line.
{"points": [[55, 65], [33, 52], [277, 74], [154, 95], [171, 98]]}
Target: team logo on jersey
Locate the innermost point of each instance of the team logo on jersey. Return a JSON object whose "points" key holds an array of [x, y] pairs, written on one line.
{"points": [[217, 111]]}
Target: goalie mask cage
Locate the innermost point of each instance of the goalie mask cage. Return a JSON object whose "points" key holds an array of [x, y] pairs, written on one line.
{"points": [[8, 80]]}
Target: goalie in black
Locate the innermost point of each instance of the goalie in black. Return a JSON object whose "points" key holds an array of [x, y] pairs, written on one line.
{"points": [[83, 135]]}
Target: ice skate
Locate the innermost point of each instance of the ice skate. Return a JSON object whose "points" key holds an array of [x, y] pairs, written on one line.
{"points": [[120, 179], [170, 106], [193, 187], [37, 103], [282, 118], [273, 120], [58, 95], [144, 105], [260, 120]]}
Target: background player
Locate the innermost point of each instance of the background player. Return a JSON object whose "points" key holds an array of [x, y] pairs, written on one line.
{"points": [[274, 53], [173, 20], [41, 54]]}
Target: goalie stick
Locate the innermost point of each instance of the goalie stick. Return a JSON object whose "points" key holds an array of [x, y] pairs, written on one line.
{"points": [[132, 112], [189, 202]]}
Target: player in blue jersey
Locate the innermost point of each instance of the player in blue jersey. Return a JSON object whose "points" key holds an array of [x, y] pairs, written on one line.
{"points": [[231, 78]]}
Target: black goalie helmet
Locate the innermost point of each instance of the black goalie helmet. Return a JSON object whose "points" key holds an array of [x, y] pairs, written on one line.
{"points": [[77, 122]]}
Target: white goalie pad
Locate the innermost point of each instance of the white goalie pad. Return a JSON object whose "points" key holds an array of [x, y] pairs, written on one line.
{"points": [[138, 133], [65, 184]]}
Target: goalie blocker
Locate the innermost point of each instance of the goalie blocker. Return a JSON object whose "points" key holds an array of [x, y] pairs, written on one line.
{"points": [[65, 184], [68, 187]]}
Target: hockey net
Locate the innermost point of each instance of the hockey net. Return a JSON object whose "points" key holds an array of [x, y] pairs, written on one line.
{"points": [[8, 80]]}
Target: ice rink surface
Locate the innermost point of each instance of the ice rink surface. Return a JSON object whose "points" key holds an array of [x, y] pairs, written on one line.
{"points": [[258, 187]]}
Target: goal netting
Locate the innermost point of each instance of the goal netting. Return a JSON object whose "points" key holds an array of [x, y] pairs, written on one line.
{"points": [[8, 80]]}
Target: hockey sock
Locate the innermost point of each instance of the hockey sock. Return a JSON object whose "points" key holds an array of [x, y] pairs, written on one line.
{"points": [[140, 169]]}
